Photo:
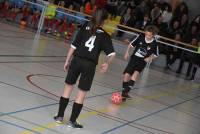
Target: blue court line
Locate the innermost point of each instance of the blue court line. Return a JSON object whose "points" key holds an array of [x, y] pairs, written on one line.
{"points": [[43, 106], [18, 126], [148, 86], [5, 55], [53, 104], [148, 115], [27, 90], [28, 109], [30, 61]]}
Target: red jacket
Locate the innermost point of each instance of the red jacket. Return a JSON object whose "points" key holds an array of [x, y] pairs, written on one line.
{"points": [[101, 3]]}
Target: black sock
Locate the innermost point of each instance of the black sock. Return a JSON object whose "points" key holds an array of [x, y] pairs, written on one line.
{"points": [[131, 84], [76, 109], [62, 106], [124, 85], [127, 86], [125, 90]]}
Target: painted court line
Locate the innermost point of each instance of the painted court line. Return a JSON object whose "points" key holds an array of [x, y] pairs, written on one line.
{"points": [[45, 90], [27, 90], [52, 124], [168, 92], [94, 113], [185, 110], [28, 109], [138, 101], [33, 108], [37, 61], [38, 56], [32, 123], [18, 126], [148, 115], [90, 97], [82, 116]]}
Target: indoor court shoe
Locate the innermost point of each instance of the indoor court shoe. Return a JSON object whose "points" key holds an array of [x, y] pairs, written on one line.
{"points": [[125, 96], [74, 125], [58, 120]]}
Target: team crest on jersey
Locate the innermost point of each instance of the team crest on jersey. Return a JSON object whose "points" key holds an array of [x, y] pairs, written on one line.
{"points": [[148, 48], [140, 43]]}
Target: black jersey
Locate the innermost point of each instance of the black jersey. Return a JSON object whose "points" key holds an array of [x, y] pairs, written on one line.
{"points": [[90, 45], [143, 48]]}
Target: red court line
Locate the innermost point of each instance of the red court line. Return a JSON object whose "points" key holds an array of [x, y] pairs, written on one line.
{"points": [[99, 113]]}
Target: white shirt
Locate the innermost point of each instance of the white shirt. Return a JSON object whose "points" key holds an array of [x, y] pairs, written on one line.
{"points": [[166, 16]]}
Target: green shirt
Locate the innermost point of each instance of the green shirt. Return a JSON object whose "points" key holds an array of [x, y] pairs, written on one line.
{"points": [[198, 50], [51, 11]]}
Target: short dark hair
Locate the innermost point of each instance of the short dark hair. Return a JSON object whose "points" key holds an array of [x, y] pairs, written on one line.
{"points": [[152, 28]]}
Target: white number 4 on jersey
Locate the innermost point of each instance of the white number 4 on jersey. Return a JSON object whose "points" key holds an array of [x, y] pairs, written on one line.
{"points": [[90, 43]]}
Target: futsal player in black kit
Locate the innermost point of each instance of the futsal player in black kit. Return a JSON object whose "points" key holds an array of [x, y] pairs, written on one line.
{"points": [[146, 49], [86, 48]]}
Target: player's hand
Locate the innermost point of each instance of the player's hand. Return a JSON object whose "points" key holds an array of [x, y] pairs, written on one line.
{"points": [[148, 59], [104, 67], [66, 66], [126, 56]]}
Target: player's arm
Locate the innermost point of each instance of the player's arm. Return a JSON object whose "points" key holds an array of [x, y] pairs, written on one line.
{"points": [[70, 53], [71, 50], [127, 54], [73, 47], [150, 58], [110, 57], [110, 52], [108, 60], [130, 46], [69, 57]]}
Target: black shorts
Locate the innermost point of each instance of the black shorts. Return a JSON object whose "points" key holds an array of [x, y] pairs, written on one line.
{"points": [[135, 64], [84, 68], [196, 59]]}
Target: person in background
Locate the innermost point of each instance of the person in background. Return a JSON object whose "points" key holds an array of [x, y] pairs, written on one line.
{"points": [[127, 19], [59, 19], [143, 23], [155, 12], [196, 63], [112, 8], [90, 7], [175, 53], [49, 17], [187, 56], [167, 14]]}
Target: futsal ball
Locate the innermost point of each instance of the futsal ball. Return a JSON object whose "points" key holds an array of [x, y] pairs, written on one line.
{"points": [[116, 98]]}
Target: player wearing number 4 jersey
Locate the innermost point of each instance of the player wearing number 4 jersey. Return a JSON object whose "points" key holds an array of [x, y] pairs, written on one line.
{"points": [[86, 48]]}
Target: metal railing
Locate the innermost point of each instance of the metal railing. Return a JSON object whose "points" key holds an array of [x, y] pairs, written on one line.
{"points": [[129, 30]]}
